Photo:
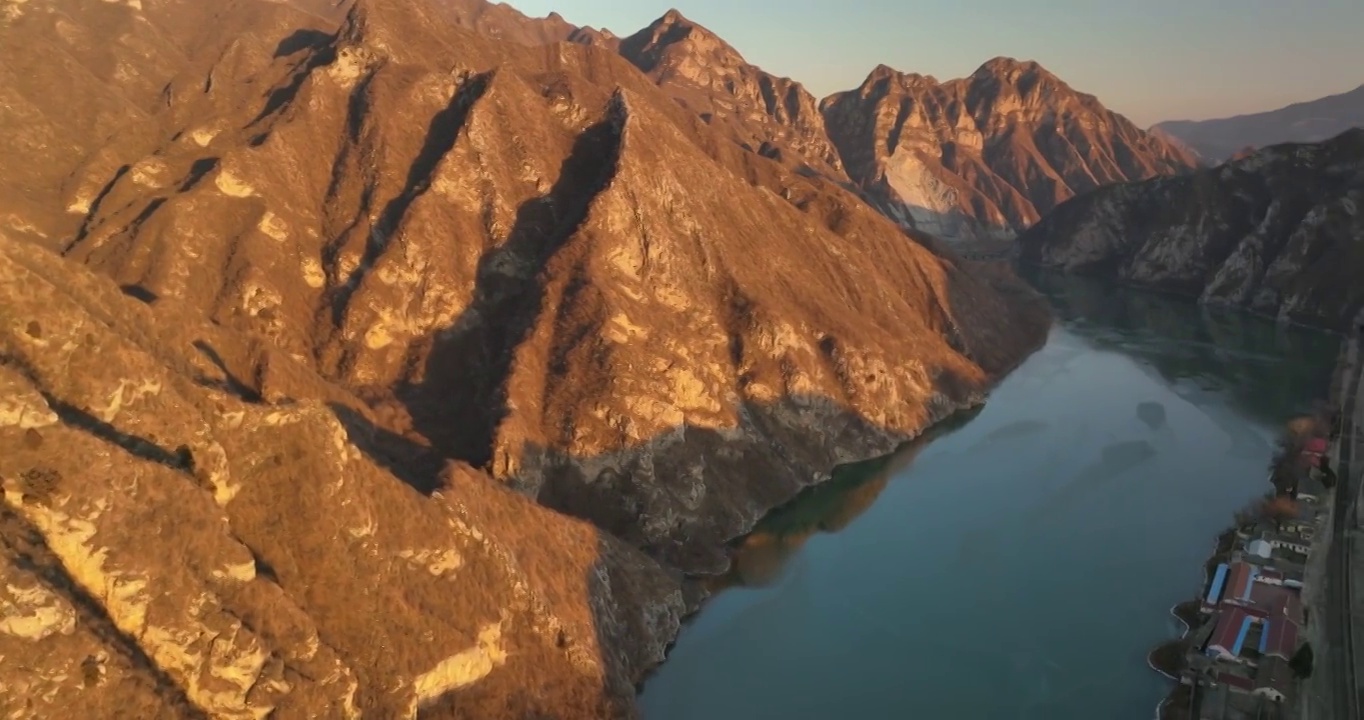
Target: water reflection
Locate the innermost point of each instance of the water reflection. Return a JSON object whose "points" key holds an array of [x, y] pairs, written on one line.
{"points": [[1016, 430], [1116, 463], [759, 558], [1152, 414], [1195, 348], [1019, 566]]}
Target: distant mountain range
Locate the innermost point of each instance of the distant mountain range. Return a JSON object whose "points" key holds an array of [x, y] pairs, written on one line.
{"points": [[984, 157], [1312, 121], [1278, 232], [981, 157]]}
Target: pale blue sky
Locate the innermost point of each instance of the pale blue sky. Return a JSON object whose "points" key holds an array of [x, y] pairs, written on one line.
{"points": [[1151, 60]]}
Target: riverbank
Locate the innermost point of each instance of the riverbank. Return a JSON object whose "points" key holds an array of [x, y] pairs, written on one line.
{"points": [[1247, 648], [1076, 454], [1334, 590], [1168, 658], [757, 558]]}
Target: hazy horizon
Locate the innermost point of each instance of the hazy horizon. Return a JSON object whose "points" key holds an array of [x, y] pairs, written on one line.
{"points": [[1157, 61]]}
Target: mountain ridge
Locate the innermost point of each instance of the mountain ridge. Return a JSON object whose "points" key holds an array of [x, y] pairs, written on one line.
{"points": [[1316, 120], [986, 199], [984, 156], [773, 116], [1276, 232], [404, 371]]}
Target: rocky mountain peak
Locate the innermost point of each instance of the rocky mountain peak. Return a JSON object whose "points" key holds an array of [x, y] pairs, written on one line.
{"points": [[880, 79], [1005, 85], [388, 27], [1010, 68], [773, 116], [983, 157], [387, 366], [672, 17], [673, 40]]}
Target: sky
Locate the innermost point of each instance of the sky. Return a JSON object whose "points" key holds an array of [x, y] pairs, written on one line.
{"points": [[1150, 60]]}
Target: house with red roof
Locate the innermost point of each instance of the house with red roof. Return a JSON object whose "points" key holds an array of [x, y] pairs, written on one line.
{"points": [[1274, 679], [1275, 601], [1240, 583], [1229, 635], [1279, 638]]}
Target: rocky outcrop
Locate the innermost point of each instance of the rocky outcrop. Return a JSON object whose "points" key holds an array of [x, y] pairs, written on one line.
{"points": [[173, 548], [1305, 122], [504, 22], [554, 276], [773, 116], [377, 300], [984, 157], [1276, 233]]}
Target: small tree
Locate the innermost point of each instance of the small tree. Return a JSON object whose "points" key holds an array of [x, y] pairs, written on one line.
{"points": [[1302, 662], [1286, 475], [1248, 517], [1279, 510]]}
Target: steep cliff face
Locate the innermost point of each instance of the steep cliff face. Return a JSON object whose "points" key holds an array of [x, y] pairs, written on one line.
{"points": [[773, 116], [560, 275], [356, 271], [173, 546], [984, 157], [1311, 121], [1278, 232], [504, 22]]}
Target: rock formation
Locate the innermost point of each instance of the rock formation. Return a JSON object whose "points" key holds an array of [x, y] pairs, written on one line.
{"points": [[1313, 121], [1277, 232], [172, 546], [309, 329], [773, 116], [504, 22], [986, 156]]}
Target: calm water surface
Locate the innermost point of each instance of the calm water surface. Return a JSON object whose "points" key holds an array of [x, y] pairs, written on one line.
{"points": [[1021, 562]]}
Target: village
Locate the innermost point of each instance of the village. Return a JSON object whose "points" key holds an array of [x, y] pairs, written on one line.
{"points": [[1246, 651]]}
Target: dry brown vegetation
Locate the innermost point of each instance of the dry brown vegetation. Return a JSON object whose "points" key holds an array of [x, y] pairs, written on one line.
{"points": [[988, 139], [322, 327], [1279, 509], [283, 537], [1289, 466]]}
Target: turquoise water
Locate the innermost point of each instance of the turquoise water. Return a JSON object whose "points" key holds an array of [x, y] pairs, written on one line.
{"points": [[1021, 563]]}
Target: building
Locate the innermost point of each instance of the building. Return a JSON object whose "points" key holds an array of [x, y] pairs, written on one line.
{"points": [[1229, 635], [1240, 582], [1236, 681], [1223, 702], [1301, 544], [1214, 596], [1277, 576], [1268, 600], [1260, 549], [1280, 638], [1274, 679]]}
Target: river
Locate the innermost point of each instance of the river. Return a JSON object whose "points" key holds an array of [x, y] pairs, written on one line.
{"points": [[1020, 562]]}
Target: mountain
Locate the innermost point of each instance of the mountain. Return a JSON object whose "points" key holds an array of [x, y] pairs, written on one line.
{"points": [[986, 156], [171, 546], [773, 116], [377, 367], [1279, 232], [1304, 122], [504, 22]]}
